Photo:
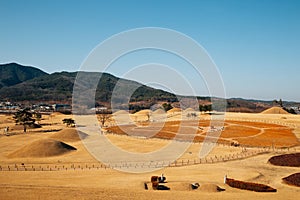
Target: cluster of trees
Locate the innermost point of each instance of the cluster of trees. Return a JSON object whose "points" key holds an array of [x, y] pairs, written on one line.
{"points": [[290, 110], [167, 106], [205, 108], [137, 107], [280, 103], [27, 118]]}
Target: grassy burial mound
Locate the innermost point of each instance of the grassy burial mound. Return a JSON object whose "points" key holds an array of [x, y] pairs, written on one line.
{"points": [[42, 148], [69, 135], [159, 112], [290, 160], [293, 179], [249, 186], [174, 110], [121, 112], [189, 110], [143, 112], [275, 110]]}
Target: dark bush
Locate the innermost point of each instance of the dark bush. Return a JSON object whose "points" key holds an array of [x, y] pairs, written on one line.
{"points": [[291, 160], [293, 179], [249, 186]]}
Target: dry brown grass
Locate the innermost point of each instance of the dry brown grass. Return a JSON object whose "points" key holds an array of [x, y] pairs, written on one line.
{"points": [[101, 183], [239, 131], [256, 124], [246, 133]]}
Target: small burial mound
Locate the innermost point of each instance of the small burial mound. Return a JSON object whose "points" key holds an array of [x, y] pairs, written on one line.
{"points": [[42, 148], [143, 112], [275, 110], [121, 112], [290, 160], [69, 135], [173, 110], [189, 110], [209, 187], [56, 114], [159, 112], [293, 179]]}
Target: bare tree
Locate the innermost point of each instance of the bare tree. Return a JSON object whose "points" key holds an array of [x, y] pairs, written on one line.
{"points": [[148, 116], [104, 117]]}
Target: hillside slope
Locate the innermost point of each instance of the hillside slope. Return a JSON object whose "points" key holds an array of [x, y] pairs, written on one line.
{"points": [[13, 73], [35, 85]]}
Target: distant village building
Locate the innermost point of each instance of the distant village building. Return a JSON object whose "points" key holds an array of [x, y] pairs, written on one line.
{"points": [[8, 106], [61, 107]]}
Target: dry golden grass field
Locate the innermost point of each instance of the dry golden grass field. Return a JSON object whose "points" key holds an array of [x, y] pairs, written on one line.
{"points": [[43, 163]]}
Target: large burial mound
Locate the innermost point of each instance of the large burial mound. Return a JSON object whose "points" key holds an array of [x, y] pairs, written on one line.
{"points": [[291, 160], [293, 179], [43, 148], [69, 135], [275, 110]]}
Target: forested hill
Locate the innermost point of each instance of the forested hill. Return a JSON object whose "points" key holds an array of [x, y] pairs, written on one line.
{"points": [[13, 73], [22, 83]]}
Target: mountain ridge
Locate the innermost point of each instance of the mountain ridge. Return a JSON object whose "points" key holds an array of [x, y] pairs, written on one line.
{"points": [[58, 86], [14, 73], [20, 83]]}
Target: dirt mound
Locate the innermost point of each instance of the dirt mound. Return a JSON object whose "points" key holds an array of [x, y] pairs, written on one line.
{"points": [[209, 187], [159, 112], [275, 110], [56, 114], [189, 110], [173, 110], [69, 135], [143, 112], [293, 179], [291, 160], [121, 112], [42, 148]]}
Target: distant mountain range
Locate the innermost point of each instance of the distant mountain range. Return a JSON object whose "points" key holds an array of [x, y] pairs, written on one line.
{"points": [[20, 83]]}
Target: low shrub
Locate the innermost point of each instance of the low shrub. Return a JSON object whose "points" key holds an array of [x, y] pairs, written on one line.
{"points": [[290, 160], [293, 179], [249, 186]]}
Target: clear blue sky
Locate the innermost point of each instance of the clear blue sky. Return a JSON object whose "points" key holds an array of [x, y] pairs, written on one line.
{"points": [[254, 43]]}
